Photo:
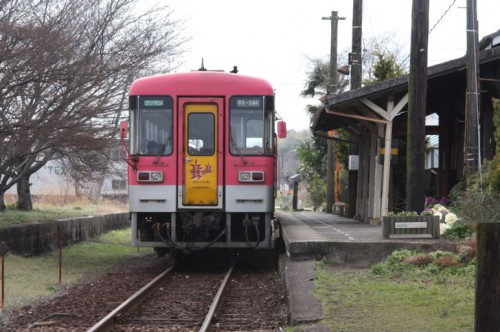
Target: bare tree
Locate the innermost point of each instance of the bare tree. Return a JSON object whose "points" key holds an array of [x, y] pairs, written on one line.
{"points": [[66, 66]]}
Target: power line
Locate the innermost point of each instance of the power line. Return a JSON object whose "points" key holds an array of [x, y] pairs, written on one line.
{"points": [[437, 22], [442, 16]]}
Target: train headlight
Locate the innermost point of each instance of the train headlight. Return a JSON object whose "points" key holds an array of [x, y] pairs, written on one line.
{"points": [[156, 176], [244, 176], [150, 176], [251, 176]]}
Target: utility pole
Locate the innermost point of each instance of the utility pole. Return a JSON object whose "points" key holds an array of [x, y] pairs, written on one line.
{"points": [[472, 151], [356, 75], [332, 87], [487, 297], [417, 98], [356, 60]]}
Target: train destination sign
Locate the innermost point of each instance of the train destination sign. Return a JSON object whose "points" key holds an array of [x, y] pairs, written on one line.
{"points": [[154, 102], [247, 102]]}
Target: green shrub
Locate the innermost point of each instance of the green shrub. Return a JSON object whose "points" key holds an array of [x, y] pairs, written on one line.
{"points": [[317, 191], [458, 231], [398, 265], [478, 202]]}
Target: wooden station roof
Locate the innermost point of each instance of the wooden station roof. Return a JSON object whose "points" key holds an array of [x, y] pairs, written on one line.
{"points": [[446, 85]]}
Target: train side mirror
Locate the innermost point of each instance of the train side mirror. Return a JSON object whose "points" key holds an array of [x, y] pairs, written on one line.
{"points": [[281, 129], [123, 130]]}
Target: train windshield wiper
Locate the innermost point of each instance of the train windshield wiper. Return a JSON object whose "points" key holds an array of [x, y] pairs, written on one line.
{"points": [[160, 153], [233, 143]]}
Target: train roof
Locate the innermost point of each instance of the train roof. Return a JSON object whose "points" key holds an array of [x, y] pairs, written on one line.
{"points": [[200, 83]]}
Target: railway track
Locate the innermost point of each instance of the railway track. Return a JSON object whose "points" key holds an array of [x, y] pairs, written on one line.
{"points": [[161, 304], [202, 299]]}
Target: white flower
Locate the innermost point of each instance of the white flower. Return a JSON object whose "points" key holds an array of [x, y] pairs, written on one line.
{"points": [[439, 214], [443, 228], [450, 218], [437, 207]]}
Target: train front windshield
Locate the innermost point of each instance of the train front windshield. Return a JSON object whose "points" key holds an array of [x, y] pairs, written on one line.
{"points": [[151, 126], [252, 124]]}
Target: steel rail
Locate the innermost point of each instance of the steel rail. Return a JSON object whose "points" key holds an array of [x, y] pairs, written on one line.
{"points": [[107, 322], [215, 303]]}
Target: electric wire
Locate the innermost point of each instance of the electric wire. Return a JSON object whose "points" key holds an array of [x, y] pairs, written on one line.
{"points": [[442, 16]]}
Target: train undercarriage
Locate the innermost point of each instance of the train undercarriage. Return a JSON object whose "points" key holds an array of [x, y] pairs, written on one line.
{"points": [[195, 230]]}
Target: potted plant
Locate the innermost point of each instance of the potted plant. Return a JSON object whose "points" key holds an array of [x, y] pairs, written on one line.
{"points": [[410, 225], [431, 223]]}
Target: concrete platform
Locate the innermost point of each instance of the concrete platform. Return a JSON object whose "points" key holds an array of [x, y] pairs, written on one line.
{"points": [[311, 235], [344, 240]]}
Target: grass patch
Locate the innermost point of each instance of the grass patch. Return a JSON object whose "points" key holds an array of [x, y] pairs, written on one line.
{"points": [[396, 296], [34, 278], [43, 212]]}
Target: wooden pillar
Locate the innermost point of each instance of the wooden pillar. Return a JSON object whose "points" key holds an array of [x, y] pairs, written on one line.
{"points": [[356, 76], [365, 169], [295, 195], [332, 88], [444, 157], [360, 202], [378, 174], [488, 129], [329, 175], [472, 156], [417, 100], [372, 167], [487, 314], [386, 169]]}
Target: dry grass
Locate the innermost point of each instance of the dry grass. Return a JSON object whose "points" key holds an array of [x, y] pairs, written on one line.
{"points": [[36, 278], [419, 260], [50, 208]]}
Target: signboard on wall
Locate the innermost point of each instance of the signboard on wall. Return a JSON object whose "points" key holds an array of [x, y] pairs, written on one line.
{"points": [[353, 162]]}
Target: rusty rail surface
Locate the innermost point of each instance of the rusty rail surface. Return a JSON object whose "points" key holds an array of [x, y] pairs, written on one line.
{"points": [[107, 322], [215, 303]]}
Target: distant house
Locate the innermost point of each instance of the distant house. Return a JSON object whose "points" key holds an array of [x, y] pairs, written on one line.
{"points": [[54, 179], [116, 183]]}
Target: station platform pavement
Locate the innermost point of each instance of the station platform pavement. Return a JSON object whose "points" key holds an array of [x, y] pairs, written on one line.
{"points": [[311, 235]]}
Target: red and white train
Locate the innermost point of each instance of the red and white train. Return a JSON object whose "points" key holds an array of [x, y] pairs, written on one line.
{"points": [[202, 158]]}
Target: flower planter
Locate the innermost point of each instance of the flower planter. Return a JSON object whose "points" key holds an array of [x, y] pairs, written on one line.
{"points": [[410, 227]]}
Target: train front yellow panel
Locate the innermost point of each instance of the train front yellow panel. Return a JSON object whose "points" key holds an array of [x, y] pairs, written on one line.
{"points": [[200, 162]]}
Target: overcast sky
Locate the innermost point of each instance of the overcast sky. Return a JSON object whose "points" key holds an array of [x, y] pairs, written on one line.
{"points": [[273, 39]]}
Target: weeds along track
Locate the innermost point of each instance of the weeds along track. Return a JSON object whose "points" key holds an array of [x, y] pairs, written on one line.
{"points": [[179, 300], [206, 298]]}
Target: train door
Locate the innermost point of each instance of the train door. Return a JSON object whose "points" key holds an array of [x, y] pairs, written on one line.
{"points": [[202, 165]]}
